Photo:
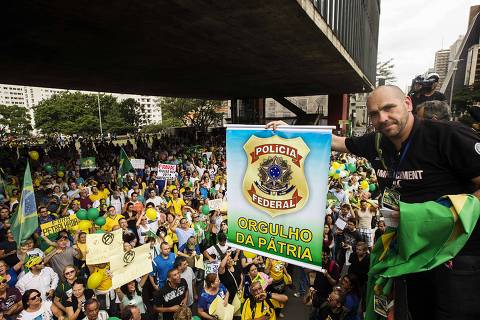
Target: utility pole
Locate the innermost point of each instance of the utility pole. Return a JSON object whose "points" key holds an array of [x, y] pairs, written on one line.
{"points": [[100, 115]]}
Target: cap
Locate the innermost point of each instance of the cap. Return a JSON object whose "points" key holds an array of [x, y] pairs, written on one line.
{"points": [[33, 261], [433, 75]]}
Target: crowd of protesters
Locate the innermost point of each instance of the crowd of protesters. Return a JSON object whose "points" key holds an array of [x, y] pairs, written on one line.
{"points": [[46, 276]]}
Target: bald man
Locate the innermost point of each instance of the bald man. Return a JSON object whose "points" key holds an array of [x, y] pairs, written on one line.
{"points": [[423, 160]]}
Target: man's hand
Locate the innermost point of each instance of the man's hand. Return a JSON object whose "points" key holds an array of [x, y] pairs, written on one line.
{"points": [[275, 124]]}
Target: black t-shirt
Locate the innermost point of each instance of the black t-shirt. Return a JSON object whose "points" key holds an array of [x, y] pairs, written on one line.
{"points": [[228, 280], [321, 284], [74, 303], [421, 98], [169, 297], [359, 268], [442, 159]]}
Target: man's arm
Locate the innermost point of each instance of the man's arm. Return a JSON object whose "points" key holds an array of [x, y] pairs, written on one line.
{"points": [[338, 143]]}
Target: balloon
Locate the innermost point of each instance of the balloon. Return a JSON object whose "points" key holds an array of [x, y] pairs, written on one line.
{"points": [[48, 168], [92, 213], [100, 221], [249, 255], [352, 167], [61, 167], [338, 171], [336, 165], [205, 209], [60, 174], [84, 225], [99, 231], [94, 280], [34, 155], [82, 214], [151, 214], [372, 187], [364, 185]]}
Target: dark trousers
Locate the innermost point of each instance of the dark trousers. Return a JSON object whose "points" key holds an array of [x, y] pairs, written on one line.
{"points": [[441, 293]]}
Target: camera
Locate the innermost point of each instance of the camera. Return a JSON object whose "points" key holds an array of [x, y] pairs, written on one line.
{"points": [[423, 84]]}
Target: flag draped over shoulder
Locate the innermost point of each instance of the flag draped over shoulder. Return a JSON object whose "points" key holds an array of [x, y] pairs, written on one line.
{"points": [[428, 235], [25, 221], [125, 167]]}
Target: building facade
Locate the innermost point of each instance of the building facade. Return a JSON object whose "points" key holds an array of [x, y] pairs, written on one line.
{"points": [[441, 64]]}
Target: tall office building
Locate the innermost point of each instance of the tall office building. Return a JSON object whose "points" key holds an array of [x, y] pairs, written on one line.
{"points": [[29, 97], [441, 64]]}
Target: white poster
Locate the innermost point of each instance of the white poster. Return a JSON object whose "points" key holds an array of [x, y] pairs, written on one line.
{"points": [[138, 163], [166, 171]]}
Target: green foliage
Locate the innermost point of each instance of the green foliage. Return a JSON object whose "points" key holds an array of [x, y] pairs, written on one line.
{"points": [[465, 98], [15, 121], [77, 113], [197, 113]]}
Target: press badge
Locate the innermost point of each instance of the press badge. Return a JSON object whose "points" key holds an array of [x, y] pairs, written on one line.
{"points": [[391, 199], [381, 305]]}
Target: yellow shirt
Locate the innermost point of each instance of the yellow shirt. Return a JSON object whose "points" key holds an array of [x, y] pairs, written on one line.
{"points": [[111, 222], [97, 197], [276, 270], [83, 250], [261, 309], [106, 283], [176, 206]]}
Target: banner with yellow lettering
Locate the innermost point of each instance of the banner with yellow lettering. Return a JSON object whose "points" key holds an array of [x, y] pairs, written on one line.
{"points": [[277, 191], [55, 226]]}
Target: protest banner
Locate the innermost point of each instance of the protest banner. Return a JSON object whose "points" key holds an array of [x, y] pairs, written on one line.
{"points": [[88, 163], [166, 171], [277, 191], [211, 267], [55, 226], [102, 246], [138, 163], [215, 204], [130, 265]]}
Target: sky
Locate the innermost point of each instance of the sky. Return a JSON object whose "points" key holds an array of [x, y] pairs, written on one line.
{"points": [[411, 31]]}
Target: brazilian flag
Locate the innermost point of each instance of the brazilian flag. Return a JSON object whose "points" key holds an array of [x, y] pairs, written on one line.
{"points": [[25, 221], [429, 234], [88, 163], [125, 167]]}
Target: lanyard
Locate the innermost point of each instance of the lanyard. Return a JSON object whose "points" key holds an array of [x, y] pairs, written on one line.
{"points": [[402, 157]]}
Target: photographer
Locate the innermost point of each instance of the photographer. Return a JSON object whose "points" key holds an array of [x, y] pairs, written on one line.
{"points": [[424, 89]]}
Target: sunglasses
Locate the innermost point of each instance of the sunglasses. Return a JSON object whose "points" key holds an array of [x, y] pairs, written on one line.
{"points": [[3, 281], [70, 272], [34, 297]]}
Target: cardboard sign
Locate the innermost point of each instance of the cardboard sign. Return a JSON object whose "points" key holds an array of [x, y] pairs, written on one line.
{"points": [[102, 246], [216, 204], [138, 163], [166, 171], [130, 265], [55, 226], [211, 267]]}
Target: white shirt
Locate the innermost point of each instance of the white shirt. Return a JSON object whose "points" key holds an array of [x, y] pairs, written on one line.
{"points": [[44, 313], [156, 201], [102, 315], [188, 275], [45, 281]]}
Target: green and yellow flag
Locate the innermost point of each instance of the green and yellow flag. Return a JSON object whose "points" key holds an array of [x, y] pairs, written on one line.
{"points": [[125, 167], [428, 235], [25, 221], [88, 163]]}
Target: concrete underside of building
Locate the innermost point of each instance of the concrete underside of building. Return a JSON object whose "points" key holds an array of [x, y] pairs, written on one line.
{"points": [[210, 49]]}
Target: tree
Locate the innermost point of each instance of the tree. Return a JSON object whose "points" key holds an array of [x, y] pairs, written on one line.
{"points": [[465, 98], [77, 113], [196, 113], [15, 121], [385, 72]]}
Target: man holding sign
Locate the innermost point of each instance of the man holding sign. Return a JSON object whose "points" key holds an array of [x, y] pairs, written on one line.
{"points": [[417, 161]]}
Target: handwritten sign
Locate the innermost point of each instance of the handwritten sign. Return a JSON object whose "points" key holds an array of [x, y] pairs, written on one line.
{"points": [[166, 171], [130, 265], [55, 226], [102, 246]]}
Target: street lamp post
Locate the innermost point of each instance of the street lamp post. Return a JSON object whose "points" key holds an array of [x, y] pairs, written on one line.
{"points": [[100, 115]]}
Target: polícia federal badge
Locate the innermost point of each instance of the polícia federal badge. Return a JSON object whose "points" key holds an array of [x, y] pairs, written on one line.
{"points": [[275, 181]]}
